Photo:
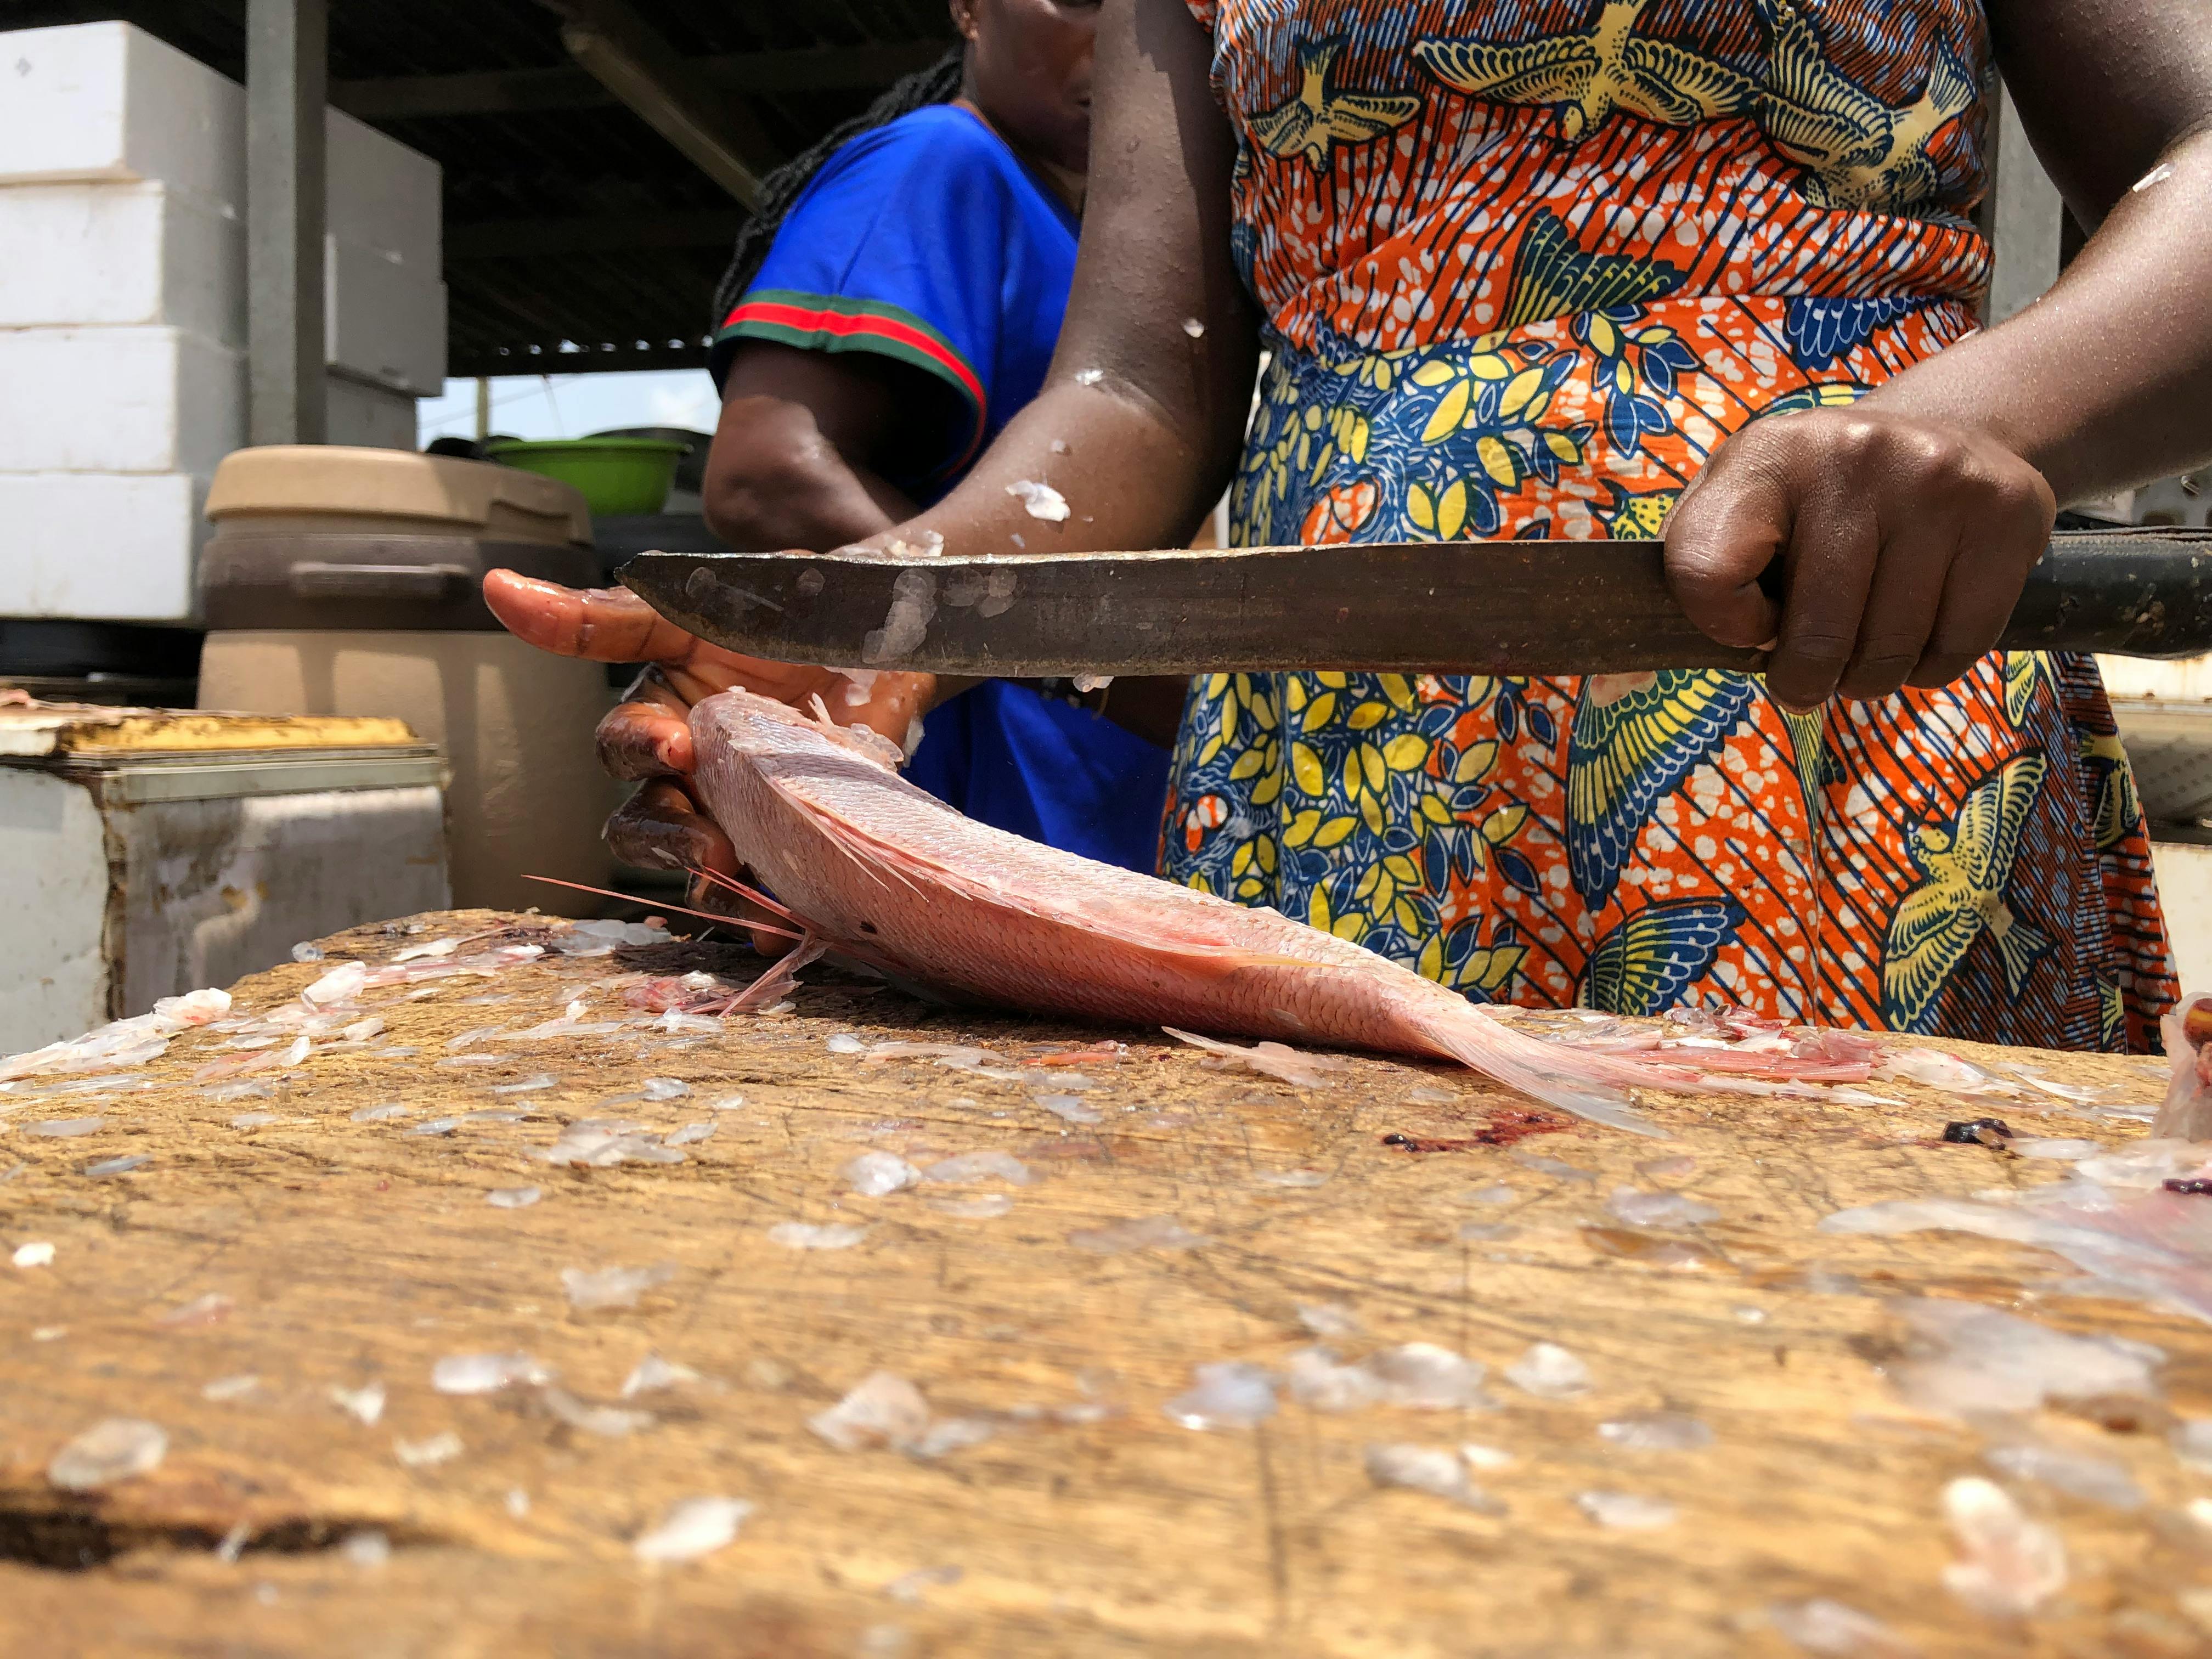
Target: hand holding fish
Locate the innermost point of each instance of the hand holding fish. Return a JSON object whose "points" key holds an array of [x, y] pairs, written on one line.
{"points": [[647, 738]]}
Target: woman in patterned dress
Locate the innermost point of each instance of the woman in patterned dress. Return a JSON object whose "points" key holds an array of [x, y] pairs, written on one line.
{"points": [[1554, 268]]}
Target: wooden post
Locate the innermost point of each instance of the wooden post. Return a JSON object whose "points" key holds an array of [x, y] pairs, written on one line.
{"points": [[287, 72], [669, 95]]}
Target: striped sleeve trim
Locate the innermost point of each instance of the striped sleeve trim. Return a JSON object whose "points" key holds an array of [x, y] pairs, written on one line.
{"points": [[820, 322]]}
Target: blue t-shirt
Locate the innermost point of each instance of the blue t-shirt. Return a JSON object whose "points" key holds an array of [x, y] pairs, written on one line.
{"points": [[929, 241]]}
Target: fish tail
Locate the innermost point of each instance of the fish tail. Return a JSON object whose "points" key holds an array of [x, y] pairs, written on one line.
{"points": [[1580, 1084]]}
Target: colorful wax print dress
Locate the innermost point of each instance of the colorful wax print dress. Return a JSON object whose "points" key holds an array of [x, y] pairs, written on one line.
{"points": [[1524, 265]]}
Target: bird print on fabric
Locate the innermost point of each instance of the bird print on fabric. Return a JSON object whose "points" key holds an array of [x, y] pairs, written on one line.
{"points": [[1967, 866], [1553, 277], [2111, 1013], [1860, 153], [2119, 809], [1320, 117], [1637, 518], [1817, 766], [1822, 330], [2022, 671], [1589, 75], [1642, 966], [1635, 737]]}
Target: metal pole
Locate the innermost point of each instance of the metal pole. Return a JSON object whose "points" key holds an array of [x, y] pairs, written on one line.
{"points": [[2027, 216], [483, 408], [287, 79]]}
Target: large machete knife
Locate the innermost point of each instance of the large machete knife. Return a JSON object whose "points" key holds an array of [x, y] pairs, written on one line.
{"points": [[1539, 607]]}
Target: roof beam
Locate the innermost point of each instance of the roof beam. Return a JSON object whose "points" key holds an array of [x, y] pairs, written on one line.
{"points": [[625, 55], [508, 92], [625, 358], [520, 238]]}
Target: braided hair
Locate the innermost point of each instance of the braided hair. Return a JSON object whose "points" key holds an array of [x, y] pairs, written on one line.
{"points": [[939, 83]]}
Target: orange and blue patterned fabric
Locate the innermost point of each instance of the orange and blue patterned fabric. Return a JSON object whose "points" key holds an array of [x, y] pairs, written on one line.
{"points": [[1523, 266]]}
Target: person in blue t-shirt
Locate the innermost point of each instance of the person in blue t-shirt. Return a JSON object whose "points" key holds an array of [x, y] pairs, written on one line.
{"points": [[893, 303]]}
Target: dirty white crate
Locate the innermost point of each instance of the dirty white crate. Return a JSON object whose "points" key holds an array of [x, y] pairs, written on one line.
{"points": [[2164, 711], [136, 876]]}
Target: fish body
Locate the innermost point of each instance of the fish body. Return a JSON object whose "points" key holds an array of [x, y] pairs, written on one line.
{"points": [[879, 871]]}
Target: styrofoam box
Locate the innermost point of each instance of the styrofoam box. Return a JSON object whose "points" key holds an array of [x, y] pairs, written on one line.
{"points": [[369, 417], [120, 252], [149, 399], [108, 100], [101, 547], [384, 320], [380, 194]]}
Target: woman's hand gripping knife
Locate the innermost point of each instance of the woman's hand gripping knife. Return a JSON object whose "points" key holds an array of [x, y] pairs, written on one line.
{"points": [[1884, 544], [647, 739]]}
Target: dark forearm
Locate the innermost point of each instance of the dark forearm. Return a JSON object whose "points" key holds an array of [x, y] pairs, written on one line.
{"points": [[775, 481], [2108, 380], [1140, 420]]}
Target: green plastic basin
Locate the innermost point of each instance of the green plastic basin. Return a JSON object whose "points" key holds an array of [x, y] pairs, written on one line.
{"points": [[617, 476]]}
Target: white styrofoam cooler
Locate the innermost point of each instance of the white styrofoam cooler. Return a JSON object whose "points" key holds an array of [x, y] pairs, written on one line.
{"points": [[139, 252], [106, 100], [91, 101], [108, 545], [380, 194], [123, 311], [363, 416], [150, 400], [132, 252], [102, 546], [384, 319]]}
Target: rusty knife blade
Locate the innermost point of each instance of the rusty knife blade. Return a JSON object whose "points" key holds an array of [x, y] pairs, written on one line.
{"points": [[1531, 607]]}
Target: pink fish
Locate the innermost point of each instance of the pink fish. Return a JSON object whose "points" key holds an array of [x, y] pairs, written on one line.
{"points": [[872, 867], [2186, 1113]]}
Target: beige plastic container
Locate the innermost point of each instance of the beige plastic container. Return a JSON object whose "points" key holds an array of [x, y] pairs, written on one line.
{"points": [[526, 796], [348, 581]]}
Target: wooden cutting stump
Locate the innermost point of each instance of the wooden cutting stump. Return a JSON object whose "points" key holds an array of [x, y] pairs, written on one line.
{"points": [[317, 1253]]}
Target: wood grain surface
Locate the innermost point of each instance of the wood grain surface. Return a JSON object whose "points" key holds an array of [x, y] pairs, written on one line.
{"points": [[350, 1251]]}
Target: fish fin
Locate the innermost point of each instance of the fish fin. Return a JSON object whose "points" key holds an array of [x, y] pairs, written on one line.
{"points": [[655, 904], [729, 884], [782, 975], [1588, 1085]]}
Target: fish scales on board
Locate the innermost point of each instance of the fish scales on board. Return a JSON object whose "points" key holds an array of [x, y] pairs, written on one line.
{"points": [[875, 868]]}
